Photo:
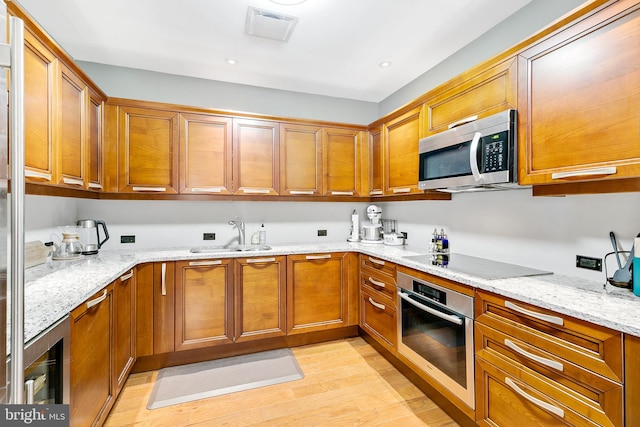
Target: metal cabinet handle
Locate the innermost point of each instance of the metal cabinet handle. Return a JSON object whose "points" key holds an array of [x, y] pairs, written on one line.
{"points": [[154, 189], [163, 287], [375, 193], [98, 300], [34, 174], [260, 260], [255, 191], [463, 121], [375, 282], [401, 190], [443, 316], [544, 405], [376, 261], [206, 190], [545, 317], [376, 305], [196, 263], [342, 193], [95, 185], [72, 181], [543, 360], [585, 172], [127, 276], [301, 192], [311, 257]]}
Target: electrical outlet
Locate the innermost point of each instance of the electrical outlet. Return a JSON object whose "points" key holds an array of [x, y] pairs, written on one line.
{"points": [[404, 233], [589, 263], [209, 236], [322, 232], [127, 239]]}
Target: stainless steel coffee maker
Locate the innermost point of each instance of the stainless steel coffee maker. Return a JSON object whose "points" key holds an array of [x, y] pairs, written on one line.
{"points": [[90, 235]]}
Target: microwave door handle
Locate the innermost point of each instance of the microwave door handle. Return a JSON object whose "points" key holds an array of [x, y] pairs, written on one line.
{"points": [[473, 157]]}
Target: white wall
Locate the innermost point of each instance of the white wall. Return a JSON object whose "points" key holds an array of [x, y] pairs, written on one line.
{"points": [[508, 226]]}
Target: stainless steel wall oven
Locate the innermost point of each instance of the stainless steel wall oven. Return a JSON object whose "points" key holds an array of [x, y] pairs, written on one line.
{"points": [[435, 332]]}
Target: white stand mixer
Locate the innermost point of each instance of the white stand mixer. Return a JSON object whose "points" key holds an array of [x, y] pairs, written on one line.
{"points": [[372, 233]]}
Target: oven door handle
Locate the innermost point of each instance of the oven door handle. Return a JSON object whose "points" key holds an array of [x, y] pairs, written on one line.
{"points": [[447, 317]]}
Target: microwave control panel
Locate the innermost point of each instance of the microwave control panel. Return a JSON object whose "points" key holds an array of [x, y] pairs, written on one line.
{"points": [[494, 148]]}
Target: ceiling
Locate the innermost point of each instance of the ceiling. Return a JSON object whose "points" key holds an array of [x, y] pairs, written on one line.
{"points": [[335, 48]]}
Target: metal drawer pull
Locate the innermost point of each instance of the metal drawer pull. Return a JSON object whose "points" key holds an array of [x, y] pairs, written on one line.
{"points": [[206, 189], [401, 190], [127, 276], [97, 300], [255, 191], [34, 174], [301, 192], [463, 121], [342, 193], [375, 193], [543, 360], [197, 263], [72, 181], [318, 256], [259, 260], [545, 317], [95, 185], [376, 261], [155, 189], [163, 288], [544, 405], [443, 316], [586, 172], [375, 282], [376, 305]]}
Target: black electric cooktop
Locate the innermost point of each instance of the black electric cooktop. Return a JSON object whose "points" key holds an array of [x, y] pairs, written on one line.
{"points": [[479, 267]]}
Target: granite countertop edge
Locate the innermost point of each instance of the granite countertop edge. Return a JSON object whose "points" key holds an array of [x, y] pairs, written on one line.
{"points": [[54, 289]]}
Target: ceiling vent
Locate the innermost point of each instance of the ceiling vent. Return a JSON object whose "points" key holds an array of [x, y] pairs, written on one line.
{"points": [[270, 25]]}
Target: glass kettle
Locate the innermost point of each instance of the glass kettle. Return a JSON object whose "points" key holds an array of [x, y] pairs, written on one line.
{"points": [[90, 235]]}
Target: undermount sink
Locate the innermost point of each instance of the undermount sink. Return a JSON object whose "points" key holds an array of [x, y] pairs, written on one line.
{"points": [[228, 248]]}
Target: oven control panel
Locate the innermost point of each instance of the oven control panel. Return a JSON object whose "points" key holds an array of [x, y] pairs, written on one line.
{"points": [[430, 292]]}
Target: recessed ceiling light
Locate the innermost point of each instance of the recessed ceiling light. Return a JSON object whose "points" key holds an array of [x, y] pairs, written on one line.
{"points": [[288, 2], [385, 64], [231, 61]]}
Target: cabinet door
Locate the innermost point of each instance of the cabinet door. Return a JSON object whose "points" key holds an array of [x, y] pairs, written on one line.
{"points": [[94, 163], [163, 307], [148, 145], [579, 100], [260, 302], [123, 328], [91, 381], [205, 154], [375, 160], [341, 153], [40, 92], [203, 303], [71, 147], [401, 137], [317, 292], [144, 309], [300, 160], [475, 93], [255, 157]]}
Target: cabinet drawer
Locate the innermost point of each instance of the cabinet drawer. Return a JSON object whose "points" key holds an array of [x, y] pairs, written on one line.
{"points": [[379, 265], [378, 284], [513, 396], [379, 319], [595, 348], [496, 346]]}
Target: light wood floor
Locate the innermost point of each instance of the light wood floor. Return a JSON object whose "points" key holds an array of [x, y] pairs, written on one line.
{"points": [[346, 383]]}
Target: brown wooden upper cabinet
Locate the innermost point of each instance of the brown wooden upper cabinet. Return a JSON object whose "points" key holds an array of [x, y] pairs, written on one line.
{"points": [[95, 142], [401, 136], [256, 157], [40, 93], [205, 154], [373, 164], [148, 150], [300, 160], [71, 127], [474, 93], [341, 161], [579, 100]]}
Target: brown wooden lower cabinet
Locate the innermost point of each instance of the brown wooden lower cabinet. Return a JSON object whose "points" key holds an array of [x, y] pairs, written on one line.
{"points": [[91, 378], [124, 331], [379, 319]]}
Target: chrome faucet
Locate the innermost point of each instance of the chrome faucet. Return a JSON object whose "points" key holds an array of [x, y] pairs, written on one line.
{"points": [[240, 225]]}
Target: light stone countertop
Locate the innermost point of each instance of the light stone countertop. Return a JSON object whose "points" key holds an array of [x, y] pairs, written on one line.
{"points": [[52, 290]]}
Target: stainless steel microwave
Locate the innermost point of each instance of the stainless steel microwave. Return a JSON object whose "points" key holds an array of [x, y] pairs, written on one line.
{"points": [[478, 154]]}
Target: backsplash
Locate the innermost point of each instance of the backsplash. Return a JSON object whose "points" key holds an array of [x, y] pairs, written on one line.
{"points": [[511, 226]]}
